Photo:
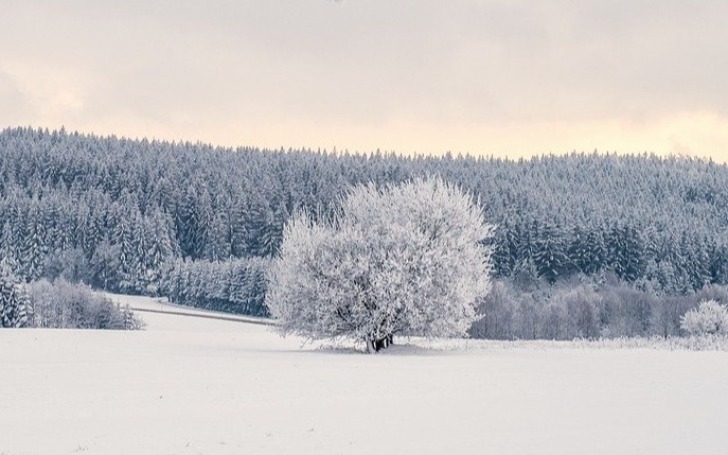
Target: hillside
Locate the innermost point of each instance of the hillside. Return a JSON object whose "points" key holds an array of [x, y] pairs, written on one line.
{"points": [[642, 216], [199, 223]]}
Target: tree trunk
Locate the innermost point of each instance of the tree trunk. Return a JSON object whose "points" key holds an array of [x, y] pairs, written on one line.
{"points": [[374, 346], [383, 343], [371, 347]]}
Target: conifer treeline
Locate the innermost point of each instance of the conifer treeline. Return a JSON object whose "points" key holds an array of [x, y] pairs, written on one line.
{"points": [[113, 212], [233, 286]]}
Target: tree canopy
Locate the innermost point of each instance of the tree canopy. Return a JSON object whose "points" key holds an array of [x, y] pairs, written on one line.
{"points": [[405, 259]]}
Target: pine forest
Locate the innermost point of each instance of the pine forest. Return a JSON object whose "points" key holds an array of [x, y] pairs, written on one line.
{"points": [[586, 244]]}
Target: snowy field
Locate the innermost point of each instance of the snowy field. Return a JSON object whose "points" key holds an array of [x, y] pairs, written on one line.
{"points": [[191, 385]]}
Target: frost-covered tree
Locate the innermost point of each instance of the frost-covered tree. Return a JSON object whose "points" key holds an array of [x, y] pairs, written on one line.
{"points": [[710, 318], [14, 303], [407, 260]]}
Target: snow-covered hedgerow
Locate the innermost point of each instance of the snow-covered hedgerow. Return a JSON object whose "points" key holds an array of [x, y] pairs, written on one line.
{"points": [[710, 318], [398, 260]]}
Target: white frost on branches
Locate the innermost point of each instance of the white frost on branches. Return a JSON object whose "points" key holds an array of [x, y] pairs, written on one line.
{"points": [[405, 260], [710, 318]]}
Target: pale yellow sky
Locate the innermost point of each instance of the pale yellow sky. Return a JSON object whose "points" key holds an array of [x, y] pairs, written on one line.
{"points": [[485, 77]]}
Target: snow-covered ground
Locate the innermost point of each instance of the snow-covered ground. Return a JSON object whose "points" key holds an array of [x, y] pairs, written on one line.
{"points": [[189, 385], [143, 305]]}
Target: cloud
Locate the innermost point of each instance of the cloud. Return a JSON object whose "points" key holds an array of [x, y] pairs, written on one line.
{"points": [[295, 70], [14, 107]]}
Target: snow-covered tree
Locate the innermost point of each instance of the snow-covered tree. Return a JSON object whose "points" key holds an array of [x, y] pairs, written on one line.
{"points": [[14, 303], [407, 260], [550, 253], [710, 318]]}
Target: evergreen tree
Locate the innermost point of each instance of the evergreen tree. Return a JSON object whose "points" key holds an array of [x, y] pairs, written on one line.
{"points": [[160, 249], [105, 266], [14, 304], [8, 243], [218, 243], [625, 252], [33, 246], [549, 254], [192, 221]]}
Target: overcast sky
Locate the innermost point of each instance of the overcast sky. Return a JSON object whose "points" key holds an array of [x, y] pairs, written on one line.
{"points": [[507, 78]]}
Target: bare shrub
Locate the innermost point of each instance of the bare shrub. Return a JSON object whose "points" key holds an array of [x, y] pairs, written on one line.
{"points": [[65, 305], [498, 315]]}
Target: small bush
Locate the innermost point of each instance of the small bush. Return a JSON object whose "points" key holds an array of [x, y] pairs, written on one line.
{"points": [[74, 306], [710, 318]]}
